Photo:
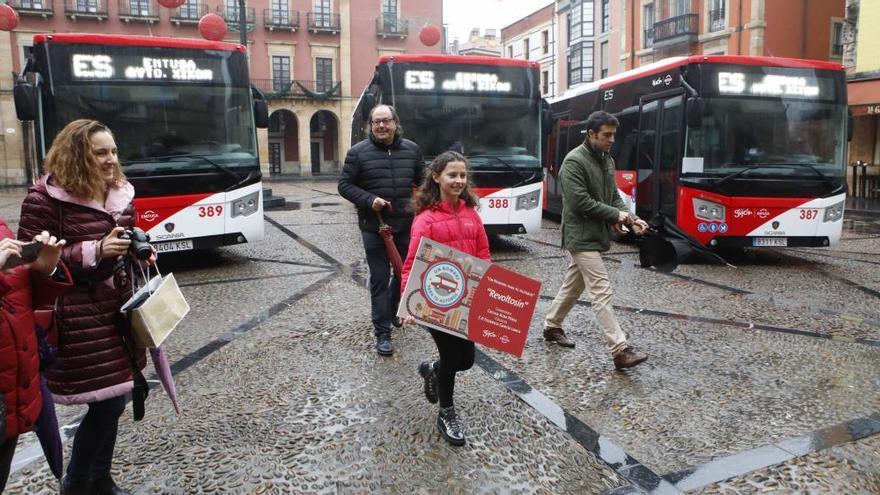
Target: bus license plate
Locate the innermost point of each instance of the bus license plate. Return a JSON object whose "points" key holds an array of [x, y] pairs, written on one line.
{"points": [[164, 247], [770, 241]]}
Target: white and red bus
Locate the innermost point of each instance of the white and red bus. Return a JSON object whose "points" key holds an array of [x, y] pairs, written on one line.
{"points": [[735, 151], [183, 116], [489, 109]]}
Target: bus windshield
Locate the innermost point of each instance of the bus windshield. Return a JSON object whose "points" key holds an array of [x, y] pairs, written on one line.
{"points": [[156, 126], [493, 131], [753, 137]]}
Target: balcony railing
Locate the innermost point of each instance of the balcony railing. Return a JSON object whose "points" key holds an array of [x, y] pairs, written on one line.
{"points": [[392, 27], [320, 22], [189, 13], [280, 19], [138, 10], [837, 49], [716, 20], [649, 37], [86, 9], [316, 90], [679, 26], [44, 8]]}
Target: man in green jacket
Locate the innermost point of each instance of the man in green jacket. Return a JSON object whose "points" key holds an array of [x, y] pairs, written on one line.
{"points": [[590, 206]]}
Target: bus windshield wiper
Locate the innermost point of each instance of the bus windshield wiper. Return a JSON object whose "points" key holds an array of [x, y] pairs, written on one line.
{"points": [[756, 166], [203, 156], [522, 178]]}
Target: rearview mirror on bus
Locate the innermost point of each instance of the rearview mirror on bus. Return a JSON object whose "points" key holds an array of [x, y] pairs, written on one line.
{"points": [[24, 94], [695, 112], [261, 114], [849, 125], [546, 118]]}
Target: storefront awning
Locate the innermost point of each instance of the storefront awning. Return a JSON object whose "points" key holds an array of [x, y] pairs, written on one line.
{"points": [[864, 97]]}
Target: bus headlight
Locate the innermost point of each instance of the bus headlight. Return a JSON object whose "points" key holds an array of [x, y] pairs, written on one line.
{"points": [[528, 201], [833, 213], [708, 210], [245, 205]]}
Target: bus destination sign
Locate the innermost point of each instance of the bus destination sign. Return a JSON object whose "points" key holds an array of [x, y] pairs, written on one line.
{"points": [[767, 85], [458, 82], [105, 67]]}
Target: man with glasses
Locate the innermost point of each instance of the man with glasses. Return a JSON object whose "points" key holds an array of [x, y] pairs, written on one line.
{"points": [[379, 175]]}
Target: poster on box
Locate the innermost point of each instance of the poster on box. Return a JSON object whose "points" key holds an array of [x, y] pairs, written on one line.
{"points": [[469, 297]]}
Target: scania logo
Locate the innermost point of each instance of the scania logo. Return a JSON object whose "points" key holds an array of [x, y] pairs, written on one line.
{"points": [[169, 227], [775, 225], [149, 215]]}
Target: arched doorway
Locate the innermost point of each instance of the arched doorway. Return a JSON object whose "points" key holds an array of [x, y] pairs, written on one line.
{"points": [[283, 143], [324, 133]]}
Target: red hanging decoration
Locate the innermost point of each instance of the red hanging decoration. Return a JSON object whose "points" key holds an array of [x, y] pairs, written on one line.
{"points": [[171, 4], [429, 35], [8, 18], [212, 27]]}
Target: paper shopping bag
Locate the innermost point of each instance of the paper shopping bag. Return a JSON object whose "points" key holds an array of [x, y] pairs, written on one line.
{"points": [[156, 310]]}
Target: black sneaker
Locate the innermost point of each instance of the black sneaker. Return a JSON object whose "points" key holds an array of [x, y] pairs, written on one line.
{"points": [[426, 369], [450, 426], [383, 345]]}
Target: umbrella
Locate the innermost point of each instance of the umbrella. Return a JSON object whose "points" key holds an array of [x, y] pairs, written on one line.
{"points": [[163, 371], [388, 237], [47, 431]]}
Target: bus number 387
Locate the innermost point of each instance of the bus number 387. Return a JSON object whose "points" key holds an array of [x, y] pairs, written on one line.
{"points": [[210, 211], [499, 203]]}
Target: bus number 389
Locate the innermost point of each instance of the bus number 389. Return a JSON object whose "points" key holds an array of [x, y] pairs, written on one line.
{"points": [[210, 211], [499, 203]]}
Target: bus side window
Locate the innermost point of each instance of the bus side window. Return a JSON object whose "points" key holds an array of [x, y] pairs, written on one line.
{"points": [[624, 149]]}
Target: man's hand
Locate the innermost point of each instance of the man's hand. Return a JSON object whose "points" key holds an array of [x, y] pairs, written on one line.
{"points": [[380, 203], [112, 246], [49, 254], [640, 226], [624, 217]]}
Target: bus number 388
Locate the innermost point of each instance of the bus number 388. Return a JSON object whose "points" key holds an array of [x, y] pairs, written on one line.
{"points": [[499, 203]]}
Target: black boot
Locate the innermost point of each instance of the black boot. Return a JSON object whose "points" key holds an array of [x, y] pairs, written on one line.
{"points": [[384, 347], [429, 372], [68, 488], [450, 426], [107, 486]]}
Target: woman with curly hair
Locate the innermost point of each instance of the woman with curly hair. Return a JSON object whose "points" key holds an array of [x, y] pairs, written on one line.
{"points": [[446, 213], [85, 199]]}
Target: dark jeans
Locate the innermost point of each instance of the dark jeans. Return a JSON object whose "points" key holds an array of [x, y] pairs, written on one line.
{"points": [[94, 442], [7, 450], [384, 287], [456, 354]]}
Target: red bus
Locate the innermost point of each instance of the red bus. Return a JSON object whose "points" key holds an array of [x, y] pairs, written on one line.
{"points": [[184, 117], [489, 109], [727, 151]]}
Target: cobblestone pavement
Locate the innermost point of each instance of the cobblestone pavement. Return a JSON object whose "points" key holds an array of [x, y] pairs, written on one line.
{"points": [[762, 378]]}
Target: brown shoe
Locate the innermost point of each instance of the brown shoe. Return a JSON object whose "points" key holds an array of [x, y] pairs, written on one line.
{"points": [[628, 358], [556, 335]]}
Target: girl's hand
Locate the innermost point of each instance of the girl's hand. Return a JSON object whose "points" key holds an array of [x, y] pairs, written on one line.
{"points": [[112, 246], [9, 248], [408, 320], [50, 254]]}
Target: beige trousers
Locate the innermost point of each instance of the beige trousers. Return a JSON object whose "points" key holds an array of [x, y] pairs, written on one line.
{"points": [[588, 266]]}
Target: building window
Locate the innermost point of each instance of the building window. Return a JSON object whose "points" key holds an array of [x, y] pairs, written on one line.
{"points": [[389, 15], [87, 6], [509, 51], [603, 59], [716, 15], [189, 10], [323, 74], [837, 39], [679, 7], [139, 8], [32, 4], [280, 73], [545, 42], [580, 63], [322, 13], [580, 21], [648, 17], [606, 16], [280, 12], [545, 82], [526, 48]]}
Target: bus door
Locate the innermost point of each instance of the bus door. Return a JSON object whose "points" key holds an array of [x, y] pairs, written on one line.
{"points": [[568, 134], [661, 121]]}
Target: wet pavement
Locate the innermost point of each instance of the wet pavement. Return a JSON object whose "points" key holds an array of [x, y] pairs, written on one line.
{"points": [[762, 378]]}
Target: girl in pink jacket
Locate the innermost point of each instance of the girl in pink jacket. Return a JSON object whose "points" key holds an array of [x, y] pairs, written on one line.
{"points": [[445, 213]]}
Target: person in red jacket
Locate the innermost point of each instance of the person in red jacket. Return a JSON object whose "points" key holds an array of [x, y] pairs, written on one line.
{"points": [[85, 199], [22, 289], [445, 213]]}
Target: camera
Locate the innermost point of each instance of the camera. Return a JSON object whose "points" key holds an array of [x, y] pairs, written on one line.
{"points": [[140, 243]]}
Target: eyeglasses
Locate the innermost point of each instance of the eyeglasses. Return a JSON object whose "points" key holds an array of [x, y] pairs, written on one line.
{"points": [[382, 121]]}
